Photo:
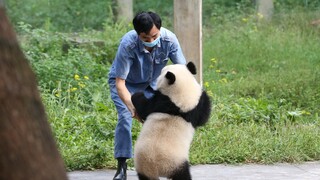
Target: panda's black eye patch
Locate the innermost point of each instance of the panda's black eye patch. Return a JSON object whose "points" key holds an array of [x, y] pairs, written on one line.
{"points": [[171, 77]]}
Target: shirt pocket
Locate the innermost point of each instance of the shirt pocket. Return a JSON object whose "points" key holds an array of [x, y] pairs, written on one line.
{"points": [[161, 59]]}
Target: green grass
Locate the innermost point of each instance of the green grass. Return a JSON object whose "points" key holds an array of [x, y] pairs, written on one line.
{"points": [[263, 78], [255, 143]]}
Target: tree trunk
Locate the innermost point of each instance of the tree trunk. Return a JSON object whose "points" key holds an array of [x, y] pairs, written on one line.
{"points": [[265, 8], [188, 28], [124, 10], [27, 148]]}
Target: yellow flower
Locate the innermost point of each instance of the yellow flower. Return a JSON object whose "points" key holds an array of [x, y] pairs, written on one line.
{"points": [[223, 80], [213, 60], [57, 94], [210, 93], [86, 77], [245, 20], [81, 85], [206, 84], [73, 89], [76, 77], [218, 71], [260, 16]]}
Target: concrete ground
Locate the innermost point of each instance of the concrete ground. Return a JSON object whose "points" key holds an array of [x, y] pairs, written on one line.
{"points": [[304, 171]]}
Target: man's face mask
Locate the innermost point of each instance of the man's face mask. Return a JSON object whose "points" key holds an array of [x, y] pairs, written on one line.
{"points": [[153, 43]]}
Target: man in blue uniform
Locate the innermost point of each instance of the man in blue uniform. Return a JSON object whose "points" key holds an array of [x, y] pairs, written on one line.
{"points": [[141, 55]]}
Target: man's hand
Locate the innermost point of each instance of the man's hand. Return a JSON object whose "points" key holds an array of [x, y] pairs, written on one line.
{"points": [[138, 118], [125, 96]]}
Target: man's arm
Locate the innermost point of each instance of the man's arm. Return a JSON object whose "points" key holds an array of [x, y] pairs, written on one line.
{"points": [[125, 95], [176, 54]]}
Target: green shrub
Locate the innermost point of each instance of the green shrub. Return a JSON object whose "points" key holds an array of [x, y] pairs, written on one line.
{"points": [[57, 15]]}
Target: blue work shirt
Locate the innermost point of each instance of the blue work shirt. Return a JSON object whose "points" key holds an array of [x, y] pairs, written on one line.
{"points": [[139, 67]]}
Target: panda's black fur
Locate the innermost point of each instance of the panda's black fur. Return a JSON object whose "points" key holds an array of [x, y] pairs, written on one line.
{"points": [[160, 110], [162, 103]]}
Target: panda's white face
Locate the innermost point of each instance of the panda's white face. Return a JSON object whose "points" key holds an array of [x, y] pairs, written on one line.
{"points": [[184, 91]]}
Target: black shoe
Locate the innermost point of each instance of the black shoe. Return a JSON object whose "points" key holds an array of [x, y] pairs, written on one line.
{"points": [[121, 173]]}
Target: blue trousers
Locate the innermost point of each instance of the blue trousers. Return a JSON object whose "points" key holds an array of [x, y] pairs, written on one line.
{"points": [[123, 136]]}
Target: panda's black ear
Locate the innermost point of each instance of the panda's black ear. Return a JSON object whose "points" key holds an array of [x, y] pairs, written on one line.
{"points": [[171, 77], [192, 67]]}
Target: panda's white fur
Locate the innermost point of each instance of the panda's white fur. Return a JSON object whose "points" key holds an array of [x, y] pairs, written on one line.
{"points": [[163, 145], [185, 92], [171, 116]]}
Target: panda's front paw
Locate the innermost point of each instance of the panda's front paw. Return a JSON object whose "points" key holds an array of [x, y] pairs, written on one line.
{"points": [[138, 99]]}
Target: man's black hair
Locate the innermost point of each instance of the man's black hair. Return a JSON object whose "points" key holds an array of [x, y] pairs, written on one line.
{"points": [[144, 21]]}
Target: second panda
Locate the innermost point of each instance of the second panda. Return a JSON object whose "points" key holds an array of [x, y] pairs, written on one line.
{"points": [[170, 117]]}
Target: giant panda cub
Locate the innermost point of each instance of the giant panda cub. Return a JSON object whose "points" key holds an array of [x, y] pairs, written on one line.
{"points": [[170, 117]]}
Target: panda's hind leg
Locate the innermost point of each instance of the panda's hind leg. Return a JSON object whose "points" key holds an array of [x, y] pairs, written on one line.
{"points": [[143, 177], [183, 173]]}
